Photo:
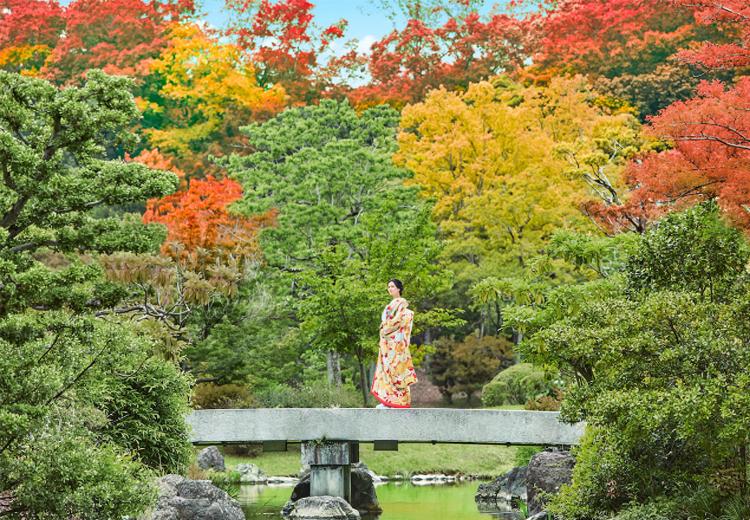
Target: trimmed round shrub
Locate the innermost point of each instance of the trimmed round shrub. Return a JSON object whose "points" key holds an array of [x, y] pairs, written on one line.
{"points": [[516, 385]]}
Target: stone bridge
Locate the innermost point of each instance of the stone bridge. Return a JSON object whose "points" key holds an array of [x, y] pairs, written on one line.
{"points": [[330, 437]]}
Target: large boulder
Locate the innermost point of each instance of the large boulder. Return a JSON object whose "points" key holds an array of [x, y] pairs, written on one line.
{"points": [[546, 473], [505, 490], [210, 458], [184, 499], [322, 508], [364, 498], [251, 474]]}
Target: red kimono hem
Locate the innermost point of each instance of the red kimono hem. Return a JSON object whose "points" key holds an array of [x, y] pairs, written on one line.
{"points": [[389, 405]]}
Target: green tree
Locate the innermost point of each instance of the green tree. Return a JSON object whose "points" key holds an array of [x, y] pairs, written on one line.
{"points": [[344, 294], [345, 224], [78, 394], [659, 351]]}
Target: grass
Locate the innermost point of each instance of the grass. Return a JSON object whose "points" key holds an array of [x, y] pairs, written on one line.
{"points": [[408, 460]]}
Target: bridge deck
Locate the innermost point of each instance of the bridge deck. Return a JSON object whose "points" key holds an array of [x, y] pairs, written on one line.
{"points": [[445, 425]]}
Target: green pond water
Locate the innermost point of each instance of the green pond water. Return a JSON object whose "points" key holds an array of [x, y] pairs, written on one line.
{"points": [[400, 501]]}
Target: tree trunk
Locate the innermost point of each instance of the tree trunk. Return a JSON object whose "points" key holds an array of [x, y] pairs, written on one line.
{"points": [[334, 368], [362, 380]]}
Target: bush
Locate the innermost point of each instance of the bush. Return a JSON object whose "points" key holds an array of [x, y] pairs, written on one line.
{"points": [[546, 403], [516, 385], [310, 395], [524, 454], [656, 510], [211, 396]]}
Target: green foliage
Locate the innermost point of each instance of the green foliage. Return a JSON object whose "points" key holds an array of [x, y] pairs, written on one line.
{"points": [[524, 454], [314, 394], [246, 339], [210, 396], [516, 385], [694, 252], [79, 396], [346, 223], [323, 167], [660, 362], [229, 481]]}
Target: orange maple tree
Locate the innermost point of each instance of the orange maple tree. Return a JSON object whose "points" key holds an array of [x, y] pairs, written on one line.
{"points": [[708, 136], [200, 227]]}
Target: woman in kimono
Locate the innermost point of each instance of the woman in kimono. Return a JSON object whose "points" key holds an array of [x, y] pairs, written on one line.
{"points": [[395, 371]]}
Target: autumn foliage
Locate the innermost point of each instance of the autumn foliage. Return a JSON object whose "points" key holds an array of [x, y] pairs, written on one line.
{"points": [[611, 37], [200, 226], [285, 43], [710, 157], [734, 16], [407, 63]]}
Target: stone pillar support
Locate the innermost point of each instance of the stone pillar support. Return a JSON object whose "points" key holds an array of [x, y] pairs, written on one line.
{"points": [[330, 467]]}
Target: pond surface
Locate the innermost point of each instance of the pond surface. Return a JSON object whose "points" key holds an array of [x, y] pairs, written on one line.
{"points": [[400, 501]]}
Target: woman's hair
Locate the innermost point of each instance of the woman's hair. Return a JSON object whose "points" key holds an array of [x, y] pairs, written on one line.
{"points": [[399, 285]]}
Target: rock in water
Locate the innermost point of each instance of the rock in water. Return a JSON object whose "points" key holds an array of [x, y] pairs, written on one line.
{"points": [[184, 499], [505, 490], [364, 497], [251, 474], [210, 458], [322, 508], [546, 472]]}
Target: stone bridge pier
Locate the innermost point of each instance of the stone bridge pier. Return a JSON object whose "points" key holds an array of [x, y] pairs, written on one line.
{"points": [[330, 467]]}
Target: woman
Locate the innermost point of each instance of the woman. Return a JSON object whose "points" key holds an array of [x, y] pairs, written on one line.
{"points": [[395, 370]]}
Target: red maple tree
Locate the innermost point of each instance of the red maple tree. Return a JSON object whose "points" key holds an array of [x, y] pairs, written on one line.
{"points": [[405, 64], [118, 36], [734, 17], [30, 22], [709, 159], [612, 37], [286, 45]]}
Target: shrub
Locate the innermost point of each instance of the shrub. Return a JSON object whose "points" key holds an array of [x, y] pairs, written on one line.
{"points": [[210, 396], [516, 385], [316, 394], [546, 403], [524, 454]]}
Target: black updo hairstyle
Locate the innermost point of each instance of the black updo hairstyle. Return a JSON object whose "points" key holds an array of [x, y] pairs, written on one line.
{"points": [[399, 285]]}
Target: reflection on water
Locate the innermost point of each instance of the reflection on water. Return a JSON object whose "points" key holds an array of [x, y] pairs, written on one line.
{"points": [[400, 501]]}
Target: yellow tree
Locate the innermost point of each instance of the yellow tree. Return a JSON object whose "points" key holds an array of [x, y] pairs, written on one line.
{"points": [[199, 91], [507, 165]]}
